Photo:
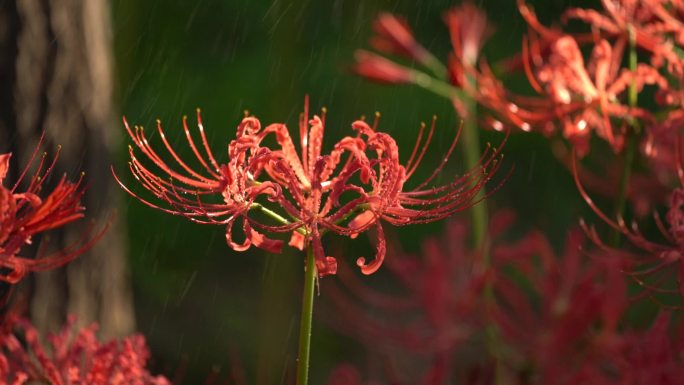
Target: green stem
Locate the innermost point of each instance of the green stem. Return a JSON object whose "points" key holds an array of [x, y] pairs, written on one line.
{"points": [[275, 216], [479, 217], [434, 65], [471, 153], [632, 136], [479, 213], [437, 86], [307, 316]]}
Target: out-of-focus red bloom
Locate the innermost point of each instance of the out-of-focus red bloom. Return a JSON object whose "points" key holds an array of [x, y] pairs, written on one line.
{"points": [[74, 357], [653, 356], [656, 26], [657, 146], [435, 314], [345, 374], [655, 265], [560, 315], [346, 191], [380, 69], [393, 36], [443, 284], [26, 214], [468, 29], [348, 374], [586, 98]]}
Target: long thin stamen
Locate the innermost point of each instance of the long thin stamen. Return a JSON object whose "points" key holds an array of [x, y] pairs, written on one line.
{"points": [[191, 142]]}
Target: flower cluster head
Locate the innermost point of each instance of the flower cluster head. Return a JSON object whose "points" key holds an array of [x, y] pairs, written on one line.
{"points": [[25, 214], [73, 357], [303, 192]]}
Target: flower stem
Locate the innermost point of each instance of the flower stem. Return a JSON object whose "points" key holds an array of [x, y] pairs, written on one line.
{"points": [[480, 222], [275, 216], [437, 86], [434, 65], [305, 322], [479, 212], [632, 136], [471, 151]]}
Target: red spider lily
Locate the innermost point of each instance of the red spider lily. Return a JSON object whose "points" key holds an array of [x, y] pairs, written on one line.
{"points": [[657, 147], [655, 26], [653, 356], [380, 194], [652, 270], [566, 331], [75, 357], [315, 193], [468, 29], [24, 215], [443, 284], [581, 98], [437, 312], [185, 190], [581, 94], [393, 36]]}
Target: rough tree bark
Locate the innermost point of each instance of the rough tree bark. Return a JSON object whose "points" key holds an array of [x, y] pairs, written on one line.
{"points": [[56, 76]]}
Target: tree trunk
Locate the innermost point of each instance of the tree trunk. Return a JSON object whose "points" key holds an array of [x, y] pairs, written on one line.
{"points": [[56, 77]]}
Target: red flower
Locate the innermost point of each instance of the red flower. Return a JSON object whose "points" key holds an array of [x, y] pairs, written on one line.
{"points": [[655, 263], [189, 193], [587, 98], [393, 36], [468, 29], [441, 287], [436, 314], [559, 314], [24, 215], [346, 191], [653, 356], [655, 24], [75, 357], [314, 193]]}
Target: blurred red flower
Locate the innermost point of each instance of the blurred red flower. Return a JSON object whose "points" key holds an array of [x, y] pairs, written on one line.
{"points": [[559, 314], [657, 25], [652, 356], [26, 214], [658, 267], [73, 357], [393, 36]]}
